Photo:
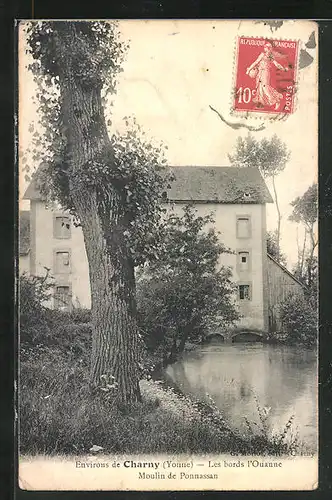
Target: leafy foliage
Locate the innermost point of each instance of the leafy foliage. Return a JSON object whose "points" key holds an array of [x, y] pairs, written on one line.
{"points": [[299, 320], [131, 163], [182, 293], [98, 51], [305, 211], [305, 207], [41, 327], [308, 275], [34, 292], [273, 247], [141, 175], [96, 59], [270, 156]]}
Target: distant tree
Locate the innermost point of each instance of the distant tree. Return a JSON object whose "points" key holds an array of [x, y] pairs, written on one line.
{"points": [[307, 273], [270, 156], [273, 249], [305, 212], [184, 291], [298, 317]]}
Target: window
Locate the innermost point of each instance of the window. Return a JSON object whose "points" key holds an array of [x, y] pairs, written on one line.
{"points": [[244, 292], [62, 262], [62, 298], [61, 227], [243, 260], [243, 229]]}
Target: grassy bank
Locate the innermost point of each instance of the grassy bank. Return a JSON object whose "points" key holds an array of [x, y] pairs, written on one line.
{"points": [[59, 415]]}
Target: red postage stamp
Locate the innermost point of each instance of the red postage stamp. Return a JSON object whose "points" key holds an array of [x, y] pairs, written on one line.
{"points": [[265, 79]]}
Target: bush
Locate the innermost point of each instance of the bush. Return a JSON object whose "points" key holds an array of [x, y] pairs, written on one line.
{"points": [[299, 320], [78, 315], [70, 337], [34, 317], [41, 326]]}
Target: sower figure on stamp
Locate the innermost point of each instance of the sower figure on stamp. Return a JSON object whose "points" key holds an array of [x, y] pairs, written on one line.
{"points": [[266, 95]]}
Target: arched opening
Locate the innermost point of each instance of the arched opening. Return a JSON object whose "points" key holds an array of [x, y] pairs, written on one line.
{"points": [[247, 337], [214, 338]]}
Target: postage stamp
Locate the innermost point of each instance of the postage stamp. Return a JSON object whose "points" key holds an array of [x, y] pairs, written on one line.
{"points": [[265, 75]]}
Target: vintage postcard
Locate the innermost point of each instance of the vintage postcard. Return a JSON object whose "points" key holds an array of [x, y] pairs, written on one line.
{"points": [[167, 268]]}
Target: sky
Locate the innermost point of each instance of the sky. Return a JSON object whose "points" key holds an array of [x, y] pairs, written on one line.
{"points": [[173, 71]]}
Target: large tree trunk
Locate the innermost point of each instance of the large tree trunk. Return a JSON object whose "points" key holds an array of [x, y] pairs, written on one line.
{"points": [[115, 336], [100, 210]]}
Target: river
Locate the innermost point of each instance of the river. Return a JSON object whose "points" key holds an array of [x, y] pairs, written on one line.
{"points": [[236, 376]]}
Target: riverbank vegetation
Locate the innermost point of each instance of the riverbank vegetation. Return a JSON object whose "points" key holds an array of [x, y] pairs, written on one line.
{"points": [[299, 317], [59, 415]]}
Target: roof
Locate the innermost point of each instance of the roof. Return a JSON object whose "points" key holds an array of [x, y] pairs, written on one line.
{"points": [[204, 184], [24, 232], [286, 271], [32, 192], [218, 185]]}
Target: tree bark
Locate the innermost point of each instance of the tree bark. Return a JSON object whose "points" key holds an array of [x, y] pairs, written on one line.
{"points": [[101, 214], [115, 336]]}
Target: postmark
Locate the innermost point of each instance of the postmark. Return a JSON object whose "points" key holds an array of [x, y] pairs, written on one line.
{"points": [[265, 76]]}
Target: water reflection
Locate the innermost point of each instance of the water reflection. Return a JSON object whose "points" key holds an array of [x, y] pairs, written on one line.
{"points": [[280, 377]]}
